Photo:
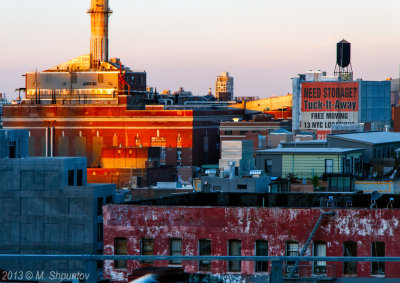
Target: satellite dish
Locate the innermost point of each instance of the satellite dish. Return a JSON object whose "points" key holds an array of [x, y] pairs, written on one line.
{"points": [[375, 196]]}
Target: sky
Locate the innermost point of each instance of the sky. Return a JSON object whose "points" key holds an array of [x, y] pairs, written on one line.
{"points": [[261, 43]]}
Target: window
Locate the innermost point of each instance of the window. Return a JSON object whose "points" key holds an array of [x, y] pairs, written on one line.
{"points": [[147, 248], [175, 249], [292, 249], [350, 249], [261, 250], [70, 177], [268, 166], [99, 232], [378, 250], [79, 177], [228, 133], [163, 155], [234, 249], [205, 144], [319, 250], [109, 200], [205, 250], [242, 133], [120, 248], [328, 165], [357, 167], [179, 154], [99, 206], [347, 163], [242, 187], [13, 151]]}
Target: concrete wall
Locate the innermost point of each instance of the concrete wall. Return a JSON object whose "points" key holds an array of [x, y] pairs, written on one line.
{"points": [[385, 187], [41, 214], [276, 163], [275, 140], [17, 137], [253, 185]]}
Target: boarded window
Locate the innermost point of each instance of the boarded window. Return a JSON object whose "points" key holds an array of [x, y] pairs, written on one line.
{"points": [[205, 250], [147, 248], [120, 248], [350, 249], [261, 250], [378, 250], [175, 249], [234, 249]]}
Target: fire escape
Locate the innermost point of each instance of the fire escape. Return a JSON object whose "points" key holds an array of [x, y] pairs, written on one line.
{"points": [[293, 270]]}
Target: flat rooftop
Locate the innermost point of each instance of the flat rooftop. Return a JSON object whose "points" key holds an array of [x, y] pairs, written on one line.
{"points": [[282, 200], [369, 137], [311, 150]]}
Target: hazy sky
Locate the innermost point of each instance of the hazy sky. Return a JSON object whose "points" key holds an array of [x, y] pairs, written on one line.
{"points": [[262, 43]]}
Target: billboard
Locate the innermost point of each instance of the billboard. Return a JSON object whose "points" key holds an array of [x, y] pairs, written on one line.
{"points": [[324, 104]]}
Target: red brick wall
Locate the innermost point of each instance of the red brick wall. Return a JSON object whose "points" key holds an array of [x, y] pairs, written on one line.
{"points": [[276, 225]]}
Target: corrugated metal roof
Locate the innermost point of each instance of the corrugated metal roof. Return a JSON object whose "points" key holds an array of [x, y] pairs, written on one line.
{"points": [[318, 150], [370, 137]]}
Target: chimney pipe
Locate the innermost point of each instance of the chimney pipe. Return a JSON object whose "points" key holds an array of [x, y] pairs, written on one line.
{"points": [[99, 13]]}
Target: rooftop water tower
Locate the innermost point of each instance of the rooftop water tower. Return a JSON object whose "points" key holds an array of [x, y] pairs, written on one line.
{"points": [[343, 67]]}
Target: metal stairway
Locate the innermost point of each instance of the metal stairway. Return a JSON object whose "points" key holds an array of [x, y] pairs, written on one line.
{"points": [[310, 237]]}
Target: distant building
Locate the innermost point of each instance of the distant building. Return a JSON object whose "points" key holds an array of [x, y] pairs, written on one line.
{"points": [[257, 131], [321, 102], [47, 207], [279, 136], [376, 145], [224, 87], [236, 171], [307, 162]]}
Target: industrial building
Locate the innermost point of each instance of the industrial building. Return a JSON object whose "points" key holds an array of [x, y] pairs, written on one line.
{"points": [[91, 78], [95, 107], [47, 207], [220, 224]]}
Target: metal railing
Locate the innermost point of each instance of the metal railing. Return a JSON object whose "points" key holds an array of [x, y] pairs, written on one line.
{"points": [[277, 272]]}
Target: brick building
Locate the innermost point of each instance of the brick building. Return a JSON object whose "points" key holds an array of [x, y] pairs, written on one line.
{"points": [[256, 224], [120, 141]]}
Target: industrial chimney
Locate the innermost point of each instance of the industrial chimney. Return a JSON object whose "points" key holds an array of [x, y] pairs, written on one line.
{"points": [[99, 13]]}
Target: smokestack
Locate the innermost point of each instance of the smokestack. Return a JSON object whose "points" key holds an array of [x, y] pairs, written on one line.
{"points": [[99, 13]]}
